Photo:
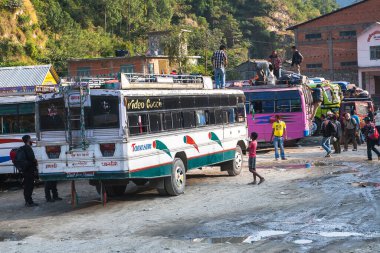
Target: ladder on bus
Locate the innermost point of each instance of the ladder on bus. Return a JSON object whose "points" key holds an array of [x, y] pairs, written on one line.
{"points": [[74, 116]]}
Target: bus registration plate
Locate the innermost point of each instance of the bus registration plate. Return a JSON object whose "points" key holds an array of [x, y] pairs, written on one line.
{"points": [[80, 159]]}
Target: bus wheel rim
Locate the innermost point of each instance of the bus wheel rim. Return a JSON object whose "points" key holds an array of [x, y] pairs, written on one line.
{"points": [[238, 160], [179, 176]]}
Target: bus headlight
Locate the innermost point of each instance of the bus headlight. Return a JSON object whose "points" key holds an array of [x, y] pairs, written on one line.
{"points": [[53, 152], [107, 149]]}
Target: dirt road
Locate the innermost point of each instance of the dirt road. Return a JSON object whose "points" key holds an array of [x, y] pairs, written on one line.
{"points": [[307, 204]]}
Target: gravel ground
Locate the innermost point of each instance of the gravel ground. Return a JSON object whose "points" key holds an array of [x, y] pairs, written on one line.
{"points": [[330, 206]]}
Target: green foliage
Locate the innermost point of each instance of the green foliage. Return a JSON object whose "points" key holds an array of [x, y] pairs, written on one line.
{"points": [[93, 28], [11, 4]]}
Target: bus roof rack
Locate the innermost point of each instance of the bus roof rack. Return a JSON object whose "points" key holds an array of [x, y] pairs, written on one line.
{"points": [[356, 99], [241, 85], [150, 81]]}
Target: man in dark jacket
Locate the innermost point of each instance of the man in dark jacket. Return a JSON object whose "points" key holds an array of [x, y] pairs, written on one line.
{"points": [[338, 135], [296, 60], [369, 130], [328, 131], [28, 171]]}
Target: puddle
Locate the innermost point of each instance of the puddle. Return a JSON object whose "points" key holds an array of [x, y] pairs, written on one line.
{"points": [[366, 184], [302, 241], [11, 236], [258, 236], [284, 167], [340, 234], [264, 234], [344, 172]]}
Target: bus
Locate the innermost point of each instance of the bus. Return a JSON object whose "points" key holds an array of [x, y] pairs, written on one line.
{"points": [[332, 96], [147, 130], [293, 104], [17, 118]]}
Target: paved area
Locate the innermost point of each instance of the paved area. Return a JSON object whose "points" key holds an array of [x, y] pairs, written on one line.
{"points": [[307, 204]]}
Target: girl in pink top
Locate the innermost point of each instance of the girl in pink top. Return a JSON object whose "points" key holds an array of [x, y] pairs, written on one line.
{"points": [[252, 158]]}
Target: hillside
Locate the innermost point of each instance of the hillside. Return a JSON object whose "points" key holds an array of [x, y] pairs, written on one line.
{"points": [[51, 31]]}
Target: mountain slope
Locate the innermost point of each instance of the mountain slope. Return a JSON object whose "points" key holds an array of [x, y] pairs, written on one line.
{"points": [[51, 31]]}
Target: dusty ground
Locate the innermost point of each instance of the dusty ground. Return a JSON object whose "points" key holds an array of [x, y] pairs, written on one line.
{"points": [[324, 208]]}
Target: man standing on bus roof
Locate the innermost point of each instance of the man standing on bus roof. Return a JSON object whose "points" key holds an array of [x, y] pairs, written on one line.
{"points": [[219, 62], [279, 131], [296, 60]]}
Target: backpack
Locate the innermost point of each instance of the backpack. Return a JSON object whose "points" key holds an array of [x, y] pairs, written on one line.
{"points": [[20, 161], [373, 134]]}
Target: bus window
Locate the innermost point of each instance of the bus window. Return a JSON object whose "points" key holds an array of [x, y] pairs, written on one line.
{"points": [[105, 111], [230, 116], [26, 117], [177, 120], [362, 108], [27, 123], [239, 113], [211, 117], [188, 119], [201, 118], [138, 124], [283, 106], [329, 95], [187, 102], [155, 122], [263, 106], [218, 117], [292, 94], [295, 105], [52, 114], [168, 122]]}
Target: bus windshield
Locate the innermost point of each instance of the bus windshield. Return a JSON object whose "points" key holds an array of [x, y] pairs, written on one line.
{"points": [[17, 118], [103, 113], [274, 101]]}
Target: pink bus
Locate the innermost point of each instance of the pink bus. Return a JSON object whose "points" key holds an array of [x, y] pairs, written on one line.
{"points": [[293, 104]]}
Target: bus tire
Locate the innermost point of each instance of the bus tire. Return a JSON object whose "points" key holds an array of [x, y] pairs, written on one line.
{"points": [[234, 166], [113, 190], [162, 191], [175, 184]]}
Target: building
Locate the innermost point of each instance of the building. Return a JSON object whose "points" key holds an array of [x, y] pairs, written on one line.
{"points": [[329, 42], [24, 79], [154, 62], [368, 44], [248, 70]]}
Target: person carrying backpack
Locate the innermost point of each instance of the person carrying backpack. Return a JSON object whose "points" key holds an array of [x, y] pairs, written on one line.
{"points": [[26, 163], [328, 131], [372, 136]]}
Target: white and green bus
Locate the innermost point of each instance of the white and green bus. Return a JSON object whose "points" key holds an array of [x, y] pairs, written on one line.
{"points": [[145, 130]]}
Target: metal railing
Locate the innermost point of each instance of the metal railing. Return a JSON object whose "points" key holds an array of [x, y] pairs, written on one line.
{"points": [[154, 78]]}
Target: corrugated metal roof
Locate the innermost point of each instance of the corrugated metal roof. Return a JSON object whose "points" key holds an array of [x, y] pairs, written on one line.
{"points": [[25, 76]]}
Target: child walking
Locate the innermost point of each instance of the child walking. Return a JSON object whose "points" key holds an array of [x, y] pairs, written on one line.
{"points": [[252, 158]]}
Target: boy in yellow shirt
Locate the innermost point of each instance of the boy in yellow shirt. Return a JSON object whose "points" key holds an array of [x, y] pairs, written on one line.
{"points": [[279, 131]]}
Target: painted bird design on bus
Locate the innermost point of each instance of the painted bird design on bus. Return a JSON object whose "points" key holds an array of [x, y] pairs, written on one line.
{"points": [[161, 146], [212, 136], [188, 140]]}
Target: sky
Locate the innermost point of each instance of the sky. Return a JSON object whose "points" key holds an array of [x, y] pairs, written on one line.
{"points": [[344, 3]]}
